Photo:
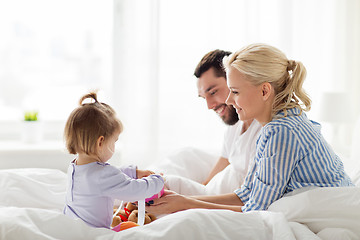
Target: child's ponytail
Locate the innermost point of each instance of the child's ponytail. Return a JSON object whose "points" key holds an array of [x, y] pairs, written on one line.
{"points": [[91, 95]]}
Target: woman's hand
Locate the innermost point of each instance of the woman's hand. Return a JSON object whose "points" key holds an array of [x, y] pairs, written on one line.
{"points": [[143, 173], [170, 202]]}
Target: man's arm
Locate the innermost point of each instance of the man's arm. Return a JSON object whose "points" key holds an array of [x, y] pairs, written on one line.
{"points": [[221, 164]]}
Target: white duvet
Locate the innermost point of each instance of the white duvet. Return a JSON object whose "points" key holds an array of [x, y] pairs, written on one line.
{"points": [[32, 199]]}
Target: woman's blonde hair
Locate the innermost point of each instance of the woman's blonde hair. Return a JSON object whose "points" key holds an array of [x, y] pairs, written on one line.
{"points": [[263, 63], [87, 123]]}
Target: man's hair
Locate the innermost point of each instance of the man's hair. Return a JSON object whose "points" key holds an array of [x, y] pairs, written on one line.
{"points": [[213, 59]]}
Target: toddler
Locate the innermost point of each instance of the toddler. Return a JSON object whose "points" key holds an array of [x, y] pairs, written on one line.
{"points": [[91, 132]]}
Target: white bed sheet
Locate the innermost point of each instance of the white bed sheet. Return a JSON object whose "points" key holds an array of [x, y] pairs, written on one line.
{"points": [[33, 188], [32, 200]]}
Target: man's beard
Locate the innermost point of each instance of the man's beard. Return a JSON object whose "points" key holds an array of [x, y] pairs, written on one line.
{"points": [[231, 117]]}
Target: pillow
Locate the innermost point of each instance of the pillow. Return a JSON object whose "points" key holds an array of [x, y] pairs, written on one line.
{"points": [[323, 209], [187, 162], [355, 154]]}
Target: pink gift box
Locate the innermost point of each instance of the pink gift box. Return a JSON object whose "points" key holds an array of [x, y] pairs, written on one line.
{"points": [[156, 195]]}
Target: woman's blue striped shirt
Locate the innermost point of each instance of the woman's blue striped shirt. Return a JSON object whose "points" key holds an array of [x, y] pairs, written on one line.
{"points": [[291, 153]]}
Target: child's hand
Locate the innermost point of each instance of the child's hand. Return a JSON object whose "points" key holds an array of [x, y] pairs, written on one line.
{"points": [[143, 173]]}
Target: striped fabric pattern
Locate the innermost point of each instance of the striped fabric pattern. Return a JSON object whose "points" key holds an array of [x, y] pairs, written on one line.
{"points": [[291, 153]]}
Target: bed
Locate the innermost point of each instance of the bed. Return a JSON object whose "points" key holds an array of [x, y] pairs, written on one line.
{"points": [[32, 199]]}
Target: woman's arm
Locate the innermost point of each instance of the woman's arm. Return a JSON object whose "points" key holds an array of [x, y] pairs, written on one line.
{"points": [[172, 202], [223, 199]]}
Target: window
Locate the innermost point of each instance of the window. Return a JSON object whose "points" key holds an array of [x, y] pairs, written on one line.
{"points": [[142, 54], [52, 52]]}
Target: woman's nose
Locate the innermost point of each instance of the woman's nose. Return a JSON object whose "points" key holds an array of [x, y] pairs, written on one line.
{"points": [[229, 100]]}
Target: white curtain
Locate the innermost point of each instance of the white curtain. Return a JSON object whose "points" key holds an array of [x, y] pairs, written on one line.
{"points": [[158, 43]]}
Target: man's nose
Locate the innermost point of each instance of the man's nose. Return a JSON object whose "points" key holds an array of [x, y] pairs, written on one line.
{"points": [[211, 104]]}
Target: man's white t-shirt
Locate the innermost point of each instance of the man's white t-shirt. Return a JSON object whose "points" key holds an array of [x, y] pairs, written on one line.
{"points": [[239, 149]]}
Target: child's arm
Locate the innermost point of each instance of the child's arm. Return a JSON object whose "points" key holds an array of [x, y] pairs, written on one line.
{"points": [[130, 170], [118, 185], [135, 173], [143, 173]]}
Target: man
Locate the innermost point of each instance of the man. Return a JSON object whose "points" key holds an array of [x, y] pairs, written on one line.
{"points": [[239, 140], [212, 87]]}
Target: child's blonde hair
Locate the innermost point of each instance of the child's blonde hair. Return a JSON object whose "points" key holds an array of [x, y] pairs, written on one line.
{"points": [[263, 63], [87, 123]]}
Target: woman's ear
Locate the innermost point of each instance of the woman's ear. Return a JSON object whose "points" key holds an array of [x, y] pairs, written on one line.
{"points": [[266, 89]]}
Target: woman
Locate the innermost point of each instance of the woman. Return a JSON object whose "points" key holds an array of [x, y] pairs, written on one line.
{"points": [[291, 153]]}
